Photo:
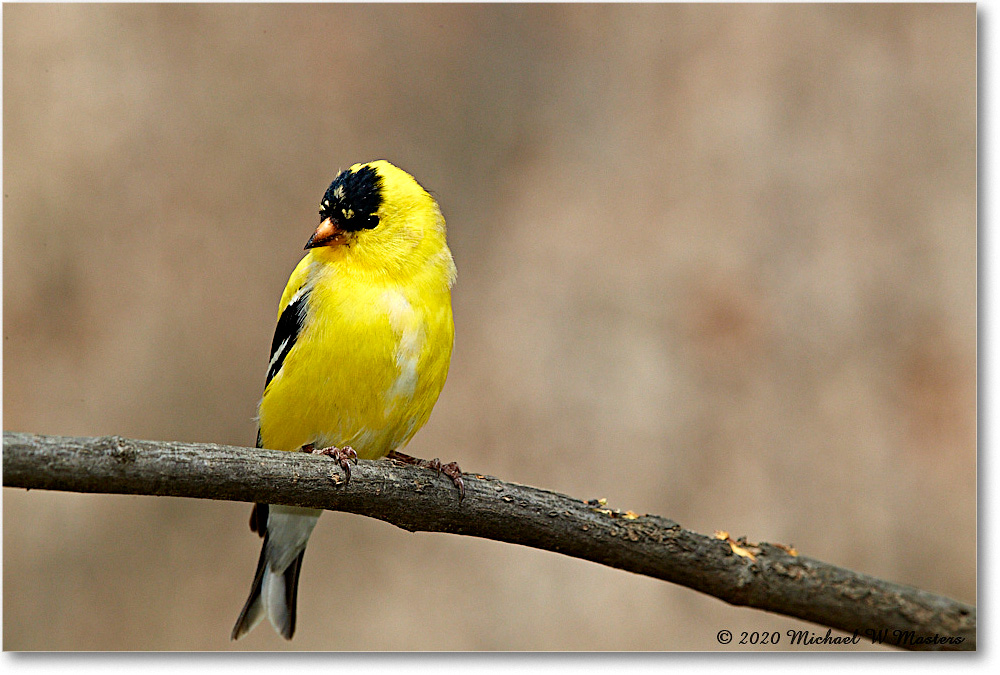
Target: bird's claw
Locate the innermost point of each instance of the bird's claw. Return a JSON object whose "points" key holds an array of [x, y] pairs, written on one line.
{"points": [[455, 474], [343, 456], [450, 469]]}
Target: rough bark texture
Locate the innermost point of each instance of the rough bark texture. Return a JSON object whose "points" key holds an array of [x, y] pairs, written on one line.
{"points": [[416, 499]]}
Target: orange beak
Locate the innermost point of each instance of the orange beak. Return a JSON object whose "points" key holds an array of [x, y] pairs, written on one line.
{"points": [[327, 234]]}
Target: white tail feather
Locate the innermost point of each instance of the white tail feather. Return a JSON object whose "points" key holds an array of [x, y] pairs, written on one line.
{"points": [[272, 594]]}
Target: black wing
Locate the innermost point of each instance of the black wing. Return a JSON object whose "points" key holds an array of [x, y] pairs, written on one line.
{"points": [[286, 333]]}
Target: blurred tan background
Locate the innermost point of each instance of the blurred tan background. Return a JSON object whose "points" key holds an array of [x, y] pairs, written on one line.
{"points": [[716, 263]]}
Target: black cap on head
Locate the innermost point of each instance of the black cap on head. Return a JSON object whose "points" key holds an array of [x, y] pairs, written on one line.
{"points": [[353, 199]]}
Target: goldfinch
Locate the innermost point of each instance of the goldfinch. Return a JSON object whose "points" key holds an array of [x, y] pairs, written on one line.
{"points": [[359, 356]]}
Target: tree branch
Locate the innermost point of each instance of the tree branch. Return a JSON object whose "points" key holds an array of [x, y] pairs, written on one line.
{"points": [[415, 499]]}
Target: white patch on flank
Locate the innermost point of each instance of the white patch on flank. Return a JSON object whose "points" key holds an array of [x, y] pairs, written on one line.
{"points": [[411, 342]]}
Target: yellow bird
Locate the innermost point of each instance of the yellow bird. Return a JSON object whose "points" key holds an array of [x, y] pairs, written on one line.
{"points": [[359, 356]]}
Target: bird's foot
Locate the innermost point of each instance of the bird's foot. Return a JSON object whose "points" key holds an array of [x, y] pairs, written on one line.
{"points": [[342, 455], [450, 469]]}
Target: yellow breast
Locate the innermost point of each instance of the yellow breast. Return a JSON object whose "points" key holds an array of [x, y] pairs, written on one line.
{"points": [[368, 365]]}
